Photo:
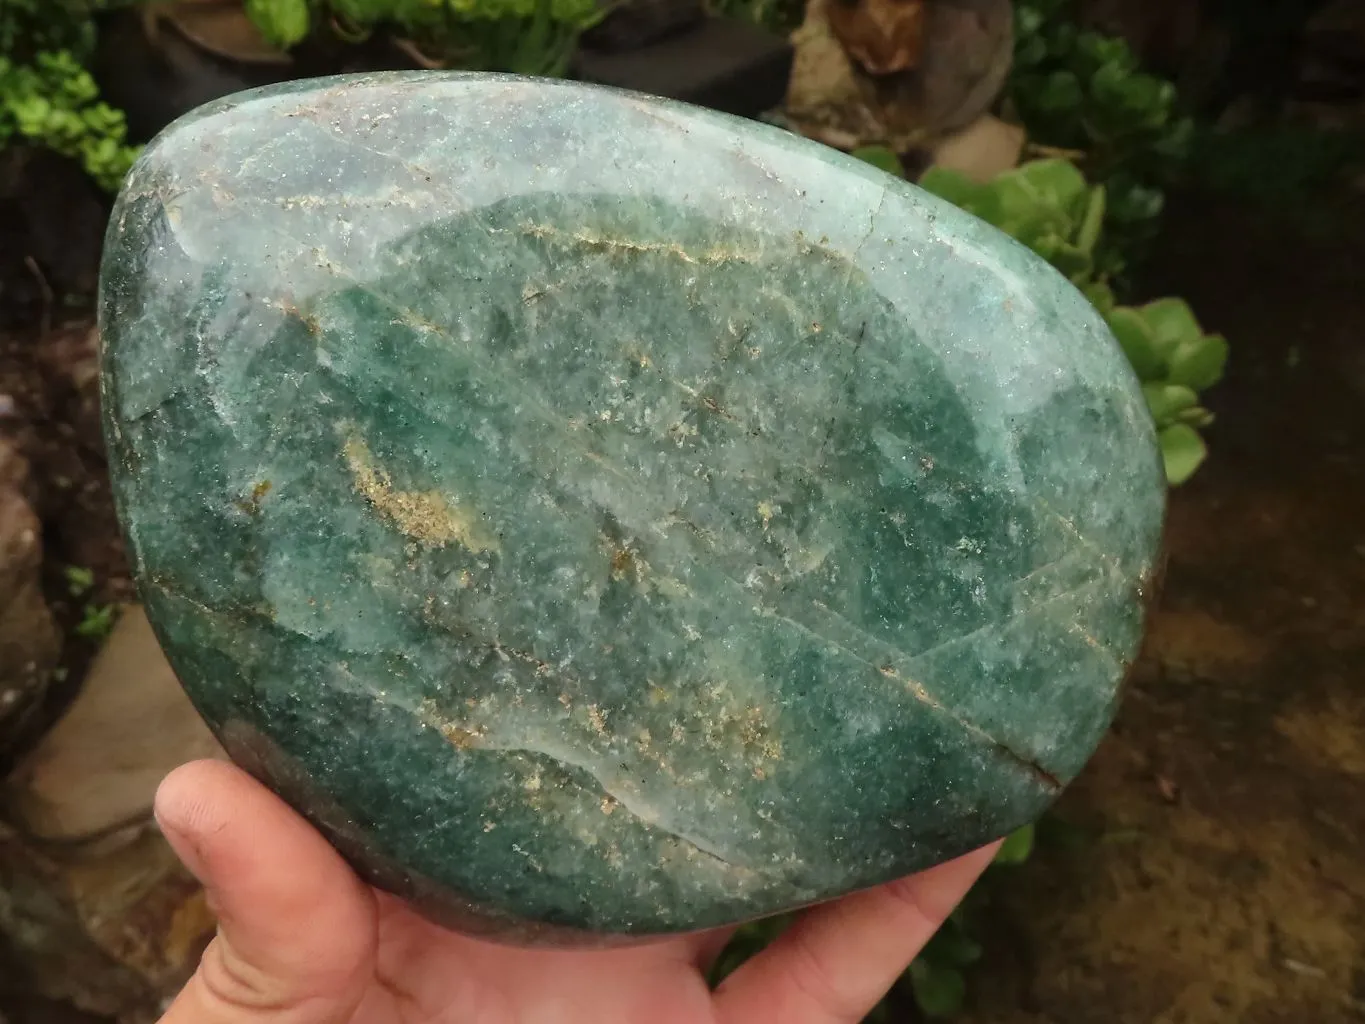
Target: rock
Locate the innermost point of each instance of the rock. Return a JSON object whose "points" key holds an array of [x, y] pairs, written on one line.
{"points": [[967, 59], [722, 63], [961, 65], [984, 149], [94, 774], [883, 36], [221, 28], [112, 933], [628, 520], [29, 642], [828, 98]]}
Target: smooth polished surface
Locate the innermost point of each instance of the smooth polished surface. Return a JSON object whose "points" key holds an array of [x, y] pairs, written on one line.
{"points": [[604, 517]]}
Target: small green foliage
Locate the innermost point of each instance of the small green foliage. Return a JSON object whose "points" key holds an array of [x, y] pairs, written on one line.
{"points": [[1017, 847], [283, 23], [881, 157], [97, 621], [47, 98], [29, 27], [1083, 91], [939, 990], [532, 37], [1182, 450], [78, 579], [938, 975], [1175, 360]]}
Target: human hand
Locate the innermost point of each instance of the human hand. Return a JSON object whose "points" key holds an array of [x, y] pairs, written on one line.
{"points": [[301, 940]]}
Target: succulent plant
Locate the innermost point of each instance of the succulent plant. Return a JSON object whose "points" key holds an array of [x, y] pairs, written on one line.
{"points": [[1175, 360]]}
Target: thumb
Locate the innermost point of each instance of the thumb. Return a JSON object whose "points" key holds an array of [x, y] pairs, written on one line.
{"points": [[296, 928]]}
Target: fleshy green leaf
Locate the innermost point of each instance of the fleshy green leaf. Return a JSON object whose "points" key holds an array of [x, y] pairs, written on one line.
{"points": [[1091, 223], [1056, 182], [1135, 337], [1171, 323], [1199, 363], [1071, 261], [1016, 847], [1182, 449], [881, 157], [1060, 91], [1197, 417], [78, 579], [1101, 296], [953, 186], [951, 946], [1167, 400], [284, 23], [939, 991]]}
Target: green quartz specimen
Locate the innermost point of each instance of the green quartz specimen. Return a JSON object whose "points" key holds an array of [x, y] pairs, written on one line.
{"points": [[603, 517]]}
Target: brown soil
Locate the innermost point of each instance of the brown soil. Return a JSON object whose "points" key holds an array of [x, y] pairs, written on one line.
{"points": [[50, 413], [1209, 866]]}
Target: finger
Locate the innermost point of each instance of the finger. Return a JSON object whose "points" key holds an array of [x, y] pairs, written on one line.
{"points": [[708, 945], [296, 928], [836, 961]]}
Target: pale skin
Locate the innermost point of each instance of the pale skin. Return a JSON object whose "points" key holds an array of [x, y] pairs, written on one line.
{"points": [[301, 940]]}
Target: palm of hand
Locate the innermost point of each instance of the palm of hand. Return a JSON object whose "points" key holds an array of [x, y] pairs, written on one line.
{"points": [[424, 975], [302, 941]]}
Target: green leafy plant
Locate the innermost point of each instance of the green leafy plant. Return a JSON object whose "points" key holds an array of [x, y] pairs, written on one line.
{"points": [[881, 157], [28, 27], [78, 580], [1017, 847], [1176, 360], [1050, 207], [938, 976], [54, 103], [1084, 92], [97, 622], [533, 37], [47, 97], [96, 619]]}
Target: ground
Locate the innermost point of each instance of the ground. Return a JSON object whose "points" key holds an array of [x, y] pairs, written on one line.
{"points": [[1207, 866]]}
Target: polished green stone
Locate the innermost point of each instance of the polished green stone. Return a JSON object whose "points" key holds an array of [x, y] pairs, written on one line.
{"points": [[604, 517]]}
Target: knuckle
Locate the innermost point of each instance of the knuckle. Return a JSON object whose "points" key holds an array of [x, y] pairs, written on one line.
{"points": [[233, 983]]}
